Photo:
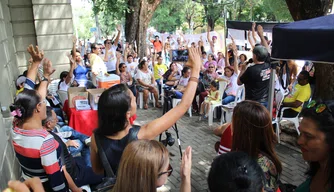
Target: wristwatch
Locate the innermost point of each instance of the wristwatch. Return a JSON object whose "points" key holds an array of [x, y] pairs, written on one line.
{"points": [[45, 79]]}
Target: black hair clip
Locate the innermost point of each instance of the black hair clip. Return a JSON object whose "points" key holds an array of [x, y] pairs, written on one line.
{"points": [[243, 169]]}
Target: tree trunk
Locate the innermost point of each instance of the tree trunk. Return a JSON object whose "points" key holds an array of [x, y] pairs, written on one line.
{"points": [[307, 9], [132, 20], [147, 8], [209, 19], [324, 87]]}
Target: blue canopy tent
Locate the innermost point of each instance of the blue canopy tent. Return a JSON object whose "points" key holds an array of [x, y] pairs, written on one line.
{"points": [[311, 40]]}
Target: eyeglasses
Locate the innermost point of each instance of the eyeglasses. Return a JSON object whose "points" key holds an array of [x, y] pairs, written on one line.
{"points": [[169, 171], [211, 67], [319, 108], [124, 67], [43, 101], [108, 42]]}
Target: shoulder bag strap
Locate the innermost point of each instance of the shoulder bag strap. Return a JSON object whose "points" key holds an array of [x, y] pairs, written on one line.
{"points": [[103, 157]]}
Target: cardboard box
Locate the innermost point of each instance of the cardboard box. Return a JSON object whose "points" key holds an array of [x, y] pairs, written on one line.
{"points": [[75, 93], [107, 81], [94, 96]]}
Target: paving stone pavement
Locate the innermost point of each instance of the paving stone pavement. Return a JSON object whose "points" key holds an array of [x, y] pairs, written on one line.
{"points": [[200, 137]]}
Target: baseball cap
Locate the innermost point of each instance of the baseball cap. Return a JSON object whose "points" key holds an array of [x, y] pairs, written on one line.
{"points": [[20, 80]]}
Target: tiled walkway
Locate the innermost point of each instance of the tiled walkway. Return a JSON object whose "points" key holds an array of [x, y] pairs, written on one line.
{"points": [[199, 135]]}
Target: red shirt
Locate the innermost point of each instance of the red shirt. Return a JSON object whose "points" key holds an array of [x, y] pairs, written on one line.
{"points": [[226, 141]]}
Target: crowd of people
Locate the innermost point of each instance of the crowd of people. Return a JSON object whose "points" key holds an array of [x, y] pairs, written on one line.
{"points": [[55, 157]]}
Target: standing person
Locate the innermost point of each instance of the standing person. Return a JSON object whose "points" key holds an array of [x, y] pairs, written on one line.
{"points": [[213, 98], [256, 77], [253, 134], [157, 44], [98, 66], [117, 104], [212, 42], [109, 57], [159, 70], [36, 150], [131, 65], [167, 49], [316, 143]]}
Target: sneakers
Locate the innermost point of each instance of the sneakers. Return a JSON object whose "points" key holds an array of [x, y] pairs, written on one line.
{"points": [[87, 141], [202, 117]]}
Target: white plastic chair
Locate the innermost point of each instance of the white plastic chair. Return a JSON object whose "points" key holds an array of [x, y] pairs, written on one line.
{"points": [[177, 101], [228, 109], [63, 96], [141, 99], [294, 120], [279, 99], [222, 87]]}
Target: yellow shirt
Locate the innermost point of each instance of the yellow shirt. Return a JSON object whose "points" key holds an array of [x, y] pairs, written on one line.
{"points": [[299, 93], [97, 64], [159, 70], [19, 91]]}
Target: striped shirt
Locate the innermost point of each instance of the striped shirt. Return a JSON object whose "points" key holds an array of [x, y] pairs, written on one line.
{"points": [[39, 156], [225, 141]]}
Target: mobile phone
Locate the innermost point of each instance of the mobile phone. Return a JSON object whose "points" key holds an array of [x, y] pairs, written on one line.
{"points": [[180, 55]]}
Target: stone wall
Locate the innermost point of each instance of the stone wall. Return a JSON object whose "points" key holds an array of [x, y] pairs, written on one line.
{"points": [[47, 23]]}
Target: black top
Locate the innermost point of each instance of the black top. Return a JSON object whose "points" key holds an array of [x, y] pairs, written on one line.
{"points": [[256, 81], [114, 148]]}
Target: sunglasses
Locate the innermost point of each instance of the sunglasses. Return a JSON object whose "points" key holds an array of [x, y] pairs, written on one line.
{"points": [[319, 108], [108, 42], [168, 172], [211, 67], [124, 67]]}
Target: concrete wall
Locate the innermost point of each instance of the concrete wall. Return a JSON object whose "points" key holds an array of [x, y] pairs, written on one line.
{"points": [[47, 23]]}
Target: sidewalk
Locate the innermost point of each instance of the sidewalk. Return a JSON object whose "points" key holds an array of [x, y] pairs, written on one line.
{"points": [[200, 137]]}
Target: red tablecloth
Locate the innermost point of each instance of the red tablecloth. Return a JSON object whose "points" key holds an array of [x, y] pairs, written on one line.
{"points": [[83, 121]]}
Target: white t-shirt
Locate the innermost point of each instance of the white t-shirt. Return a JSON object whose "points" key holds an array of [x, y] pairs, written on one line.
{"points": [[63, 86], [232, 86], [111, 63], [145, 77], [131, 67], [184, 81]]}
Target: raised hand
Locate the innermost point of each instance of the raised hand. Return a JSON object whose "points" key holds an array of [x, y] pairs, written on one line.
{"points": [[186, 163], [36, 54], [260, 30], [74, 39], [119, 27], [253, 25], [194, 60], [118, 55]]}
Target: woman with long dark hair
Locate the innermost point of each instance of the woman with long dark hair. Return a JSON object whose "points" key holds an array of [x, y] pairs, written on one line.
{"points": [[253, 134], [117, 104], [317, 146], [35, 148]]}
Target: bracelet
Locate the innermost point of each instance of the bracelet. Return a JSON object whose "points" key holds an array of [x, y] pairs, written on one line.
{"points": [[194, 79]]}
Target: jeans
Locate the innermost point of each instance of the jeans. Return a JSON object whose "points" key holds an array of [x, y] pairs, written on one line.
{"points": [[228, 99], [178, 94], [80, 139], [84, 174], [159, 85], [133, 90], [265, 104]]}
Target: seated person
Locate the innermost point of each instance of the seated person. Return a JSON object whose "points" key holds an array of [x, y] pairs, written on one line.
{"points": [[76, 142], [20, 84], [77, 172], [235, 171], [172, 75], [146, 83], [183, 82], [225, 144], [125, 75], [213, 97], [301, 93]]}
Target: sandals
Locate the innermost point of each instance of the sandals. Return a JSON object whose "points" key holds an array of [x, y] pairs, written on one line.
{"points": [[157, 105], [145, 106]]}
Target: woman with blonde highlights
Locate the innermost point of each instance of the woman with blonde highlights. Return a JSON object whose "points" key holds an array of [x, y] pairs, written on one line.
{"points": [[145, 166]]}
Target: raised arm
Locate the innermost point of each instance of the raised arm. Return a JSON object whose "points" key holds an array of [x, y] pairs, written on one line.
{"points": [[250, 40], [47, 72], [118, 56], [37, 57], [70, 73], [263, 40], [157, 126], [74, 50], [235, 55], [208, 34], [253, 32], [119, 28]]}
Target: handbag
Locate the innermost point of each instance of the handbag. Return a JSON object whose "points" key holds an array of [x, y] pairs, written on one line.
{"points": [[110, 180]]}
